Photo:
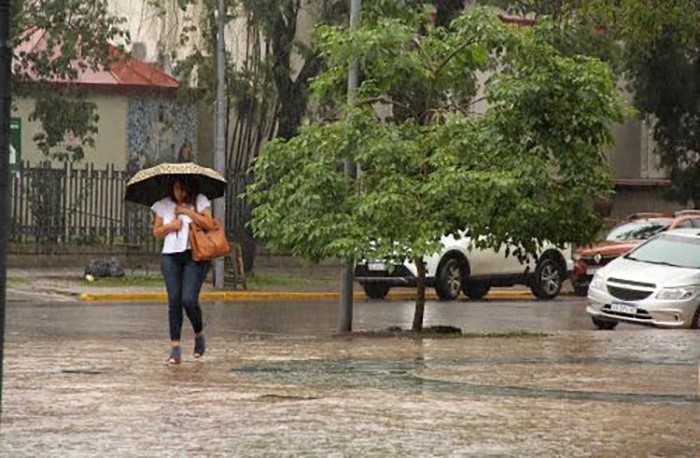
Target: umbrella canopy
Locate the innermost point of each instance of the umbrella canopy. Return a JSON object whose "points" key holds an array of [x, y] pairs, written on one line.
{"points": [[150, 185]]}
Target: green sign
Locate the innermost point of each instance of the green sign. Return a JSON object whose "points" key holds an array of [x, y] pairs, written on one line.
{"points": [[15, 144]]}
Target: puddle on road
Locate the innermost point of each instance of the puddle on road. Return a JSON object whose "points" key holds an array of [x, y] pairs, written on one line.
{"points": [[453, 376], [285, 397], [83, 371]]}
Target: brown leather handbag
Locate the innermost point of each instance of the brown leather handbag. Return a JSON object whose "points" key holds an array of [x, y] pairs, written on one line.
{"points": [[208, 244]]}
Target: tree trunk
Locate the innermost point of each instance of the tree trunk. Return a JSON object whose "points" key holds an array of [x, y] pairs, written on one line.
{"points": [[248, 246], [557, 10], [291, 112], [420, 296], [448, 10]]}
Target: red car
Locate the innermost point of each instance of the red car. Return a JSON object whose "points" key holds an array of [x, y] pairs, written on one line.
{"points": [[622, 238]]}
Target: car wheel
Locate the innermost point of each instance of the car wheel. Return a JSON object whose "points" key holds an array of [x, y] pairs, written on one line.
{"points": [[695, 324], [548, 279], [476, 289], [606, 325], [375, 290], [449, 280]]}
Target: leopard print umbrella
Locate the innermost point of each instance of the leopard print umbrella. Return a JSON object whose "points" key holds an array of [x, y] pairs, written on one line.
{"points": [[150, 185]]}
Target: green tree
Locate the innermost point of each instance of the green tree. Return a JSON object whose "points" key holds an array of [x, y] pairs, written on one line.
{"points": [[663, 67], [78, 35], [520, 173], [660, 60], [574, 27]]}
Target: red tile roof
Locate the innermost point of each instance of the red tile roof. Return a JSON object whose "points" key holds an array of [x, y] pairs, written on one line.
{"points": [[124, 72]]}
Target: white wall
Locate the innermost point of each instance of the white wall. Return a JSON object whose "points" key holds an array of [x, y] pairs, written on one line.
{"points": [[160, 33]]}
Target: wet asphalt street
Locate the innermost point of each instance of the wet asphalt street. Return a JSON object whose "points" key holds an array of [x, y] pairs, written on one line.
{"points": [[89, 380]]}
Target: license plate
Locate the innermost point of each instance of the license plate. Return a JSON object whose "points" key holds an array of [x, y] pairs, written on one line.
{"points": [[628, 309], [592, 270], [376, 266]]}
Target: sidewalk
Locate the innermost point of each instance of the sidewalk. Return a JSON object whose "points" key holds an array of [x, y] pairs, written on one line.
{"points": [[267, 284]]}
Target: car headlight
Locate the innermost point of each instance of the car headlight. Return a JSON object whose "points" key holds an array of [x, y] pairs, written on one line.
{"points": [[598, 282], [678, 294]]}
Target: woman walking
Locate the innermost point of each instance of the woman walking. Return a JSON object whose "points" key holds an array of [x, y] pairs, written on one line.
{"points": [[183, 276]]}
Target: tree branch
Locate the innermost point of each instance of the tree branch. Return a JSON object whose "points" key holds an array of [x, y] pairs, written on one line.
{"points": [[425, 54], [451, 56], [475, 101]]}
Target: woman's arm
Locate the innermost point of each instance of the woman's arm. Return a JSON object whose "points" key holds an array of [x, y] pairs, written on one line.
{"points": [[160, 230], [202, 219]]}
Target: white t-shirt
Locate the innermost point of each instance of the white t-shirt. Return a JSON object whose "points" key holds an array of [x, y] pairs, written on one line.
{"points": [[177, 242]]}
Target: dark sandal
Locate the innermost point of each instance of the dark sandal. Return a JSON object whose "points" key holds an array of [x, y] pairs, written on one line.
{"points": [[175, 356], [200, 346]]}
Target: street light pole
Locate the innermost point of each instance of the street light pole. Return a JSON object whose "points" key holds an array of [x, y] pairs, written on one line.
{"points": [[347, 275], [220, 148], [5, 105]]}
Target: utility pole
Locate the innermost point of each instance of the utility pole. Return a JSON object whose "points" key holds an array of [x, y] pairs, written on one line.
{"points": [[5, 105], [347, 275], [220, 148]]}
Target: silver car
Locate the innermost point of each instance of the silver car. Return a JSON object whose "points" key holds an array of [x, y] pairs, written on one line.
{"points": [[656, 284]]}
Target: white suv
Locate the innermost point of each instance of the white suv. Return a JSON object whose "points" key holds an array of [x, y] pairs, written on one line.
{"points": [[458, 267]]}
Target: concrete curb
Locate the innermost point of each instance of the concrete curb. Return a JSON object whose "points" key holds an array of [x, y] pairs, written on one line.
{"points": [[247, 296]]}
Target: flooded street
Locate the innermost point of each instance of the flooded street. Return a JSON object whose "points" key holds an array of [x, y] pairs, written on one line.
{"points": [[89, 380]]}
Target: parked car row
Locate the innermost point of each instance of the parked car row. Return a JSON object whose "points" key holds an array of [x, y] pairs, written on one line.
{"points": [[623, 238], [646, 271]]}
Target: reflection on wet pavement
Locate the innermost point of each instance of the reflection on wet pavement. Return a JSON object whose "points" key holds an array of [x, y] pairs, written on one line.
{"points": [[90, 380], [463, 377]]}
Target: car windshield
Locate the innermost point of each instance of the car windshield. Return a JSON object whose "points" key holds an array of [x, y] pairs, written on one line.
{"points": [[638, 230], [670, 250]]}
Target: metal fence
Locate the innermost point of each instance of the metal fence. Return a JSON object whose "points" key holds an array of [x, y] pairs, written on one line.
{"points": [[237, 207], [85, 206]]}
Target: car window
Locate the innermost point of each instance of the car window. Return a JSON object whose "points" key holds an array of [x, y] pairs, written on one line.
{"points": [[695, 222], [685, 224], [669, 249], [638, 230]]}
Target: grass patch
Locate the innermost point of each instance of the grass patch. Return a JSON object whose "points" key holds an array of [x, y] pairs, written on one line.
{"points": [[109, 282], [259, 282]]}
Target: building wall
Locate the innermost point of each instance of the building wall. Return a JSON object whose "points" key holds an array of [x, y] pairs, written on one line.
{"points": [[142, 129], [158, 128], [649, 160], [633, 155], [159, 34], [110, 142], [206, 130], [634, 199], [625, 157]]}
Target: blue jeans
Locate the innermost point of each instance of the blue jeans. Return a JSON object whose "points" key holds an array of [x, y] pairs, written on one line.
{"points": [[183, 280]]}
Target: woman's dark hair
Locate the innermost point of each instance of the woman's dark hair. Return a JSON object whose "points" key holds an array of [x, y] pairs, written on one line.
{"points": [[188, 184]]}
